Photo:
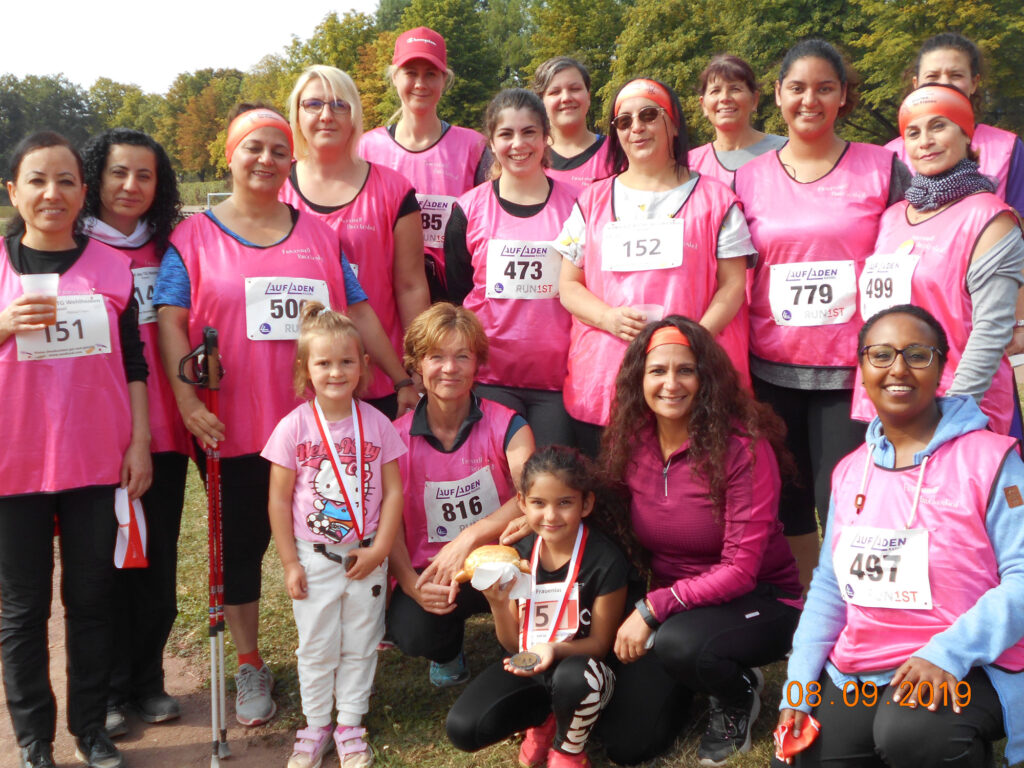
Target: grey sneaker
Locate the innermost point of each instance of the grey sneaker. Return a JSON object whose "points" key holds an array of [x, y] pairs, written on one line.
{"points": [[729, 727], [454, 672], [115, 724], [97, 751], [254, 705]]}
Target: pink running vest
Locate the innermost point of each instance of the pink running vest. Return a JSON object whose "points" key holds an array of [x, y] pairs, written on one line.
{"points": [[704, 160], [581, 177]]}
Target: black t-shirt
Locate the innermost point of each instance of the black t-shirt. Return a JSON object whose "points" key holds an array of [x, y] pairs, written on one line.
{"points": [[603, 570]]}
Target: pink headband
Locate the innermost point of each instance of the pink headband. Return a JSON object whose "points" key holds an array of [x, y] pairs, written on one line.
{"points": [[648, 89], [667, 334], [938, 100], [249, 121]]}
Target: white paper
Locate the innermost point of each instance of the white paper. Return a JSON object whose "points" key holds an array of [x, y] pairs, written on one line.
{"points": [[486, 574]]}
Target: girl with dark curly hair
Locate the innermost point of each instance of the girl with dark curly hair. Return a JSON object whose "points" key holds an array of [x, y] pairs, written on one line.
{"points": [[131, 204], [701, 460]]}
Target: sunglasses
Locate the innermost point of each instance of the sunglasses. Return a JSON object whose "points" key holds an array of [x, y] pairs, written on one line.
{"points": [[316, 106], [624, 120]]}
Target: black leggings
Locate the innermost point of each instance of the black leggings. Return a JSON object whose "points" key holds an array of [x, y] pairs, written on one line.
{"points": [[543, 410], [439, 638], [703, 650], [497, 704], [887, 734]]}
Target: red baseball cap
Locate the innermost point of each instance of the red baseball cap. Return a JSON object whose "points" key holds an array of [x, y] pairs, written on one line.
{"points": [[421, 43]]}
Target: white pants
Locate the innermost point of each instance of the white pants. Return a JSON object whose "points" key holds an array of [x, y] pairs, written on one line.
{"points": [[340, 623]]}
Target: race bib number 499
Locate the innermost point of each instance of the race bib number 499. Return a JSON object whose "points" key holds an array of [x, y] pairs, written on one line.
{"points": [[813, 293], [273, 304]]}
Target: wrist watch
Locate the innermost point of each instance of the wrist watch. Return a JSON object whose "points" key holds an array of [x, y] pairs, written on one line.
{"points": [[646, 615]]}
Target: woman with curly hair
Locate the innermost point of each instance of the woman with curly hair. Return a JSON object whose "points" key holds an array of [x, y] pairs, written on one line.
{"points": [[701, 461], [131, 205]]}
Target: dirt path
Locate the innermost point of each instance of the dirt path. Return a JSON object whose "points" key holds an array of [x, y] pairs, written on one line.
{"points": [[183, 743]]}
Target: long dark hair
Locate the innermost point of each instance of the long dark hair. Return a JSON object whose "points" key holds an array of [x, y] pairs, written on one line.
{"points": [[721, 408], [817, 48], [32, 142], [163, 213], [617, 160]]}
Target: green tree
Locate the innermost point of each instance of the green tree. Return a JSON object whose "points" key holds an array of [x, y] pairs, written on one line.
{"points": [[270, 81], [204, 117], [509, 26], [389, 14], [336, 42], [107, 98], [379, 99], [48, 102]]}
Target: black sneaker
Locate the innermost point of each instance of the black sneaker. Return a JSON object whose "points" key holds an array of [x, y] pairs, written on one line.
{"points": [[96, 750], [115, 724], [729, 727], [38, 754], [157, 709]]}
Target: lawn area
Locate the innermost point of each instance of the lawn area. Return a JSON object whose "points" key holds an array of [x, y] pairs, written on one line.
{"points": [[406, 720]]}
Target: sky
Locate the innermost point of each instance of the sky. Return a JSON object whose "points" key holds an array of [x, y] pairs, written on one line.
{"points": [[150, 43]]}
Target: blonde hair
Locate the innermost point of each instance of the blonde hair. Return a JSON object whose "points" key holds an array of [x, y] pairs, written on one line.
{"points": [[337, 85], [427, 332], [318, 320], [389, 73]]}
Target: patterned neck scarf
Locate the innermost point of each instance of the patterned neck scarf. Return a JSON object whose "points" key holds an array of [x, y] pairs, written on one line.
{"points": [[926, 193]]}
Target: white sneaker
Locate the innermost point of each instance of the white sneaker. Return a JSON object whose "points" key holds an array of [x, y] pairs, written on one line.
{"points": [[254, 704], [311, 744]]}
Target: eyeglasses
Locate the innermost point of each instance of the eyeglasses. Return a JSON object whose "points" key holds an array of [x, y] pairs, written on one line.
{"points": [[884, 355], [316, 106], [624, 120]]}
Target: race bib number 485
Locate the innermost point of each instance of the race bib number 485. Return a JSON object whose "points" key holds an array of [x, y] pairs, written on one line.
{"points": [[435, 210], [813, 293]]}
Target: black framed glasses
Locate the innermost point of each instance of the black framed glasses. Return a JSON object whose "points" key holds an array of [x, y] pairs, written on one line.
{"points": [[915, 356], [624, 120], [316, 106]]}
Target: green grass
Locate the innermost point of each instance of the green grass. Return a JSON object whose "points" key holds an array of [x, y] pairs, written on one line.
{"points": [[406, 720], [194, 192]]}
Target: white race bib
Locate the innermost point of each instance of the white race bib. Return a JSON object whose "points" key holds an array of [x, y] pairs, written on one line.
{"points": [[636, 246], [519, 269], [82, 329], [273, 304], [813, 293], [457, 504], [887, 279], [435, 210], [145, 283], [544, 604], [883, 568]]}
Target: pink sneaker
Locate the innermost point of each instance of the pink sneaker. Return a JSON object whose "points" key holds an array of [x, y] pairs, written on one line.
{"points": [[353, 751], [537, 743], [558, 759], [311, 744]]}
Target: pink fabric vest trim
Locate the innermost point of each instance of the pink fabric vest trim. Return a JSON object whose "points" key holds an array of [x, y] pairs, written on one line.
{"points": [[994, 147], [833, 218], [447, 168], [256, 391], [484, 447], [366, 227], [165, 425], [596, 167], [954, 498], [594, 355], [69, 420], [529, 338], [945, 243], [704, 160]]}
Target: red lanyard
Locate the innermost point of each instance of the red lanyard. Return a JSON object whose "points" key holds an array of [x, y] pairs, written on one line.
{"points": [[567, 585], [356, 509]]}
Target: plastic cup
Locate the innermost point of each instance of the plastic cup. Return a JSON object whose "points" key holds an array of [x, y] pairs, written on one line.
{"points": [[653, 312], [44, 285]]}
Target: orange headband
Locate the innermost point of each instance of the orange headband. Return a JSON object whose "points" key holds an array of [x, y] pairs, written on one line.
{"points": [[648, 89], [938, 100], [249, 121], [667, 334]]}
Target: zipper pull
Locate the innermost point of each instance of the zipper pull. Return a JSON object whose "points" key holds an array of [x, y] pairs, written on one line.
{"points": [[664, 475]]}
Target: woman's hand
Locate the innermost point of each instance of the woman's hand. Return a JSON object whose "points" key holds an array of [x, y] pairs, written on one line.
{"points": [[136, 470], [207, 428], [516, 530], [623, 322], [445, 564], [432, 598], [631, 641], [25, 313], [796, 720], [408, 397], [295, 581], [916, 671]]}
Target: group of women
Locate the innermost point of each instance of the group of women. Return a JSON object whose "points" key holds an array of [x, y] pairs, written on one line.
{"points": [[629, 296]]}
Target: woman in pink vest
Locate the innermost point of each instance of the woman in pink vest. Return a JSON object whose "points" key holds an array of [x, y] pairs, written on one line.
{"points": [[954, 248], [131, 205], [652, 240], [73, 378], [909, 648], [952, 59], [459, 477], [814, 209], [578, 155], [440, 160], [245, 267], [699, 458], [372, 208], [502, 265], [729, 96]]}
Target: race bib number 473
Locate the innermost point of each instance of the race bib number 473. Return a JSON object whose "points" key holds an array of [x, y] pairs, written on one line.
{"points": [[518, 269], [813, 293]]}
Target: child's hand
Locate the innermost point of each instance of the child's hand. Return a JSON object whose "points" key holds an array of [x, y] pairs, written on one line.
{"points": [[546, 651], [295, 581], [498, 593], [365, 562]]}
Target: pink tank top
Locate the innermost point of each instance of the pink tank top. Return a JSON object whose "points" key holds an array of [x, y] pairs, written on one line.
{"points": [[366, 227], [594, 355], [165, 425], [67, 421], [958, 482], [581, 177], [484, 450], [529, 337], [256, 391], [942, 248], [834, 220], [994, 147], [704, 161], [439, 174]]}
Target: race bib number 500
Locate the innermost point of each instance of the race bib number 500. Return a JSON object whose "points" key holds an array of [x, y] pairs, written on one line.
{"points": [[273, 304], [813, 293]]}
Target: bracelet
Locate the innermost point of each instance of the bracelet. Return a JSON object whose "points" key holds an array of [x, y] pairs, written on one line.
{"points": [[646, 615], [1018, 324], [403, 383]]}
